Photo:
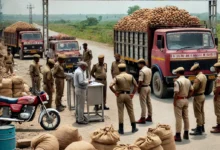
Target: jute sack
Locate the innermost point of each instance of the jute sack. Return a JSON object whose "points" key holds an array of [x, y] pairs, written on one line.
{"points": [[166, 136], [45, 142], [6, 83], [150, 142], [6, 92], [80, 145], [19, 94], [107, 136], [18, 86], [18, 90], [99, 146], [66, 135], [17, 80], [26, 88], [126, 147]]}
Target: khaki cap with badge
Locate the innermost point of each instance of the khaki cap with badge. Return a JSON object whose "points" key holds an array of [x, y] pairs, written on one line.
{"points": [[101, 56], [51, 61], [61, 56], [141, 60], [36, 56], [217, 64], [178, 69], [122, 66], [194, 67]]}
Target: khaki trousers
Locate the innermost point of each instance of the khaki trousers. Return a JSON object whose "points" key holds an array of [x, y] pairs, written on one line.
{"points": [[9, 67], [80, 103], [181, 113], [104, 89], [50, 94], [217, 109], [125, 100], [198, 106], [36, 84], [145, 101], [59, 91], [88, 70]]}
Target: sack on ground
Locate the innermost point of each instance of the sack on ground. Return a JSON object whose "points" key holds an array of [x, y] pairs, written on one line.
{"points": [[26, 88], [6, 83], [45, 142], [19, 94], [66, 135], [169, 144], [107, 136], [18, 90], [126, 147], [6, 92], [18, 86], [17, 80], [80, 145], [100, 146], [149, 142]]}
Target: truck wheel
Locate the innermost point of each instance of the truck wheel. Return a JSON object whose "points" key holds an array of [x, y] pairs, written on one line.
{"points": [[21, 55], [159, 88], [209, 87]]}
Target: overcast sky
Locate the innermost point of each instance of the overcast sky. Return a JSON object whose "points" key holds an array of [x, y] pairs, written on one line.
{"points": [[96, 7]]}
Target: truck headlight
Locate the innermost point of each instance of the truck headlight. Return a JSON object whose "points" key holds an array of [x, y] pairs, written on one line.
{"points": [[212, 69], [40, 47], [25, 48]]}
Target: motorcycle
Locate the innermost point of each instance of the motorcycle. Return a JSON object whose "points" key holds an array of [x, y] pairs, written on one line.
{"points": [[23, 109]]}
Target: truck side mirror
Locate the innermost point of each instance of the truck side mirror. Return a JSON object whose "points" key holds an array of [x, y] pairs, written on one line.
{"points": [[212, 69], [216, 41], [159, 44]]}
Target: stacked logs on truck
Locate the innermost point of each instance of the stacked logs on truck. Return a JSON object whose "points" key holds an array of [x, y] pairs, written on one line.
{"points": [[20, 26], [141, 19]]}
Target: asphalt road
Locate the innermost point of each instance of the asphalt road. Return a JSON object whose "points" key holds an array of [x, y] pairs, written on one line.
{"points": [[162, 111]]}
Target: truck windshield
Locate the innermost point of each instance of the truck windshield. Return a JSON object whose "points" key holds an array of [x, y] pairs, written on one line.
{"points": [[189, 40], [31, 36], [67, 46]]}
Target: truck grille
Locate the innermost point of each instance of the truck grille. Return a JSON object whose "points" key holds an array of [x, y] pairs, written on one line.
{"points": [[33, 46], [72, 60], [204, 64]]}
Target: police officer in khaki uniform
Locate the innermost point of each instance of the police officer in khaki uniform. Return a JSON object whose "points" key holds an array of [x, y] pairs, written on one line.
{"points": [[123, 84], [199, 86], [87, 57], [35, 73], [114, 68], [48, 81], [216, 91], [144, 91], [9, 62], [58, 73], [99, 72], [183, 90]]}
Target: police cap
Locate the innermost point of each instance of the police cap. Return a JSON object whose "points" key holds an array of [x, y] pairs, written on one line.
{"points": [[36, 56], [122, 65], [178, 69], [101, 56], [194, 67], [217, 64], [51, 61], [61, 56]]}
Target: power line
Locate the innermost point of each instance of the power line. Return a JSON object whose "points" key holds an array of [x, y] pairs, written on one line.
{"points": [[30, 7]]}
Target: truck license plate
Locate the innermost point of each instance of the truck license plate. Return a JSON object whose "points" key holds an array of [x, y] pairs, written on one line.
{"points": [[192, 78], [69, 66], [33, 51], [211, 77]]}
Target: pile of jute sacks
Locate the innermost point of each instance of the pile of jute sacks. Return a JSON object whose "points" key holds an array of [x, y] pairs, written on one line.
{"points": [[68, 138]]}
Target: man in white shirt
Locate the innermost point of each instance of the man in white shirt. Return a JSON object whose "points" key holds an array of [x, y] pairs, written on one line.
{"points": [[80, 84]]}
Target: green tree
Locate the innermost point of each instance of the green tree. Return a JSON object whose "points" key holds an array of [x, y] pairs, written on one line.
{"points": [[100, 18], [90, 21], [133, 9]]}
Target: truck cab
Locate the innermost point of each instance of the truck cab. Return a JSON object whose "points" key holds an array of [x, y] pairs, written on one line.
{"points": [[70, 48], [181, 47]]}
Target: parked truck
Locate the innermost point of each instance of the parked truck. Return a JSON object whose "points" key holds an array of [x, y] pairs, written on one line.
{"points": [[65, 45], [24, 40], [165, 49]]}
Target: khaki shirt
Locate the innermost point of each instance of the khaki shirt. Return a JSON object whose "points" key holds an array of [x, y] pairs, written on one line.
{"points": [[100, 71], [35, 69], [114, 68], [199, 83], [216, 83], [9, 59], [47, 75], [123, 82], [87, 55], [145, 75], [182, 86], [58, 71]]}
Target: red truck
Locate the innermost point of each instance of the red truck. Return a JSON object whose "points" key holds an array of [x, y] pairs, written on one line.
{"points": [[166, 48], [24, 41]]}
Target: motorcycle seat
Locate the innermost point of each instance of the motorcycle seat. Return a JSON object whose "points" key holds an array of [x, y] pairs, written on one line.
{"points": [[8, 100]]}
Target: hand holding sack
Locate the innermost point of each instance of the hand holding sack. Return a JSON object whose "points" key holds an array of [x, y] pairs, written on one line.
{"points": [[80, 145], [150, 142], [45, 142], [126, 147]]}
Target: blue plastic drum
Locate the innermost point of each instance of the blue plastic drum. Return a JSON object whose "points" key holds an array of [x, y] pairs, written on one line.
{"points": [[7, 137]]}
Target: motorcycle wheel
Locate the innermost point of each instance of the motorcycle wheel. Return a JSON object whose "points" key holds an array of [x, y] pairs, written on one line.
{"points": [[50, 122]]}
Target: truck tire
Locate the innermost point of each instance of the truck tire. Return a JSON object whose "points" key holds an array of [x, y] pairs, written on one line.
{"points": [[209, 87], [21, 55], [159, 87]]}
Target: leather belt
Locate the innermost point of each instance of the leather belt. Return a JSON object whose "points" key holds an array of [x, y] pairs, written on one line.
{"points": [[124, 92], [100, 79], [144, 85], [198, 94], [179, 97]]}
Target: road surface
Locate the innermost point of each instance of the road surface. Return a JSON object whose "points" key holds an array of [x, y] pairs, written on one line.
{"points": [[162, 111]]}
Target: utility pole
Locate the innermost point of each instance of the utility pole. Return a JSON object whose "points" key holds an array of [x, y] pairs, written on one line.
{"points": [[45, 23], [30, 7]]}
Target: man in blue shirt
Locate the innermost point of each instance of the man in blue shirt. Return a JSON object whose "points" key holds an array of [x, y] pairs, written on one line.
{"points": [[80, 84]]}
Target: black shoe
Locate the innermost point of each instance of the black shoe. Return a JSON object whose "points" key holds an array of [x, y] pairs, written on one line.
{"points": [[60, 108], [134, 129], [186, 135], [96, 108], [194, 129], [82, 122], [106, 108], [198, 131], [177, 137], [121, 128], [64, 106], [203, 128]]}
